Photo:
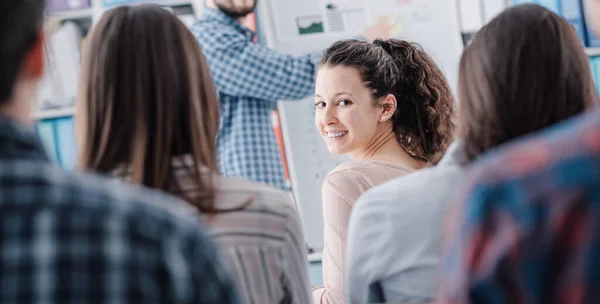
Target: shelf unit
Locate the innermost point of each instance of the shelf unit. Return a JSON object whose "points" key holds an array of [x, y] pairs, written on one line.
{"points": [[93, 13], [593, 51], [54, 113]]}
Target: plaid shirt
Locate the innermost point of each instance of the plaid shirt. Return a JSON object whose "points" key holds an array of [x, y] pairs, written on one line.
{"points": [[527, 225], [250, 78], [68, 238]]}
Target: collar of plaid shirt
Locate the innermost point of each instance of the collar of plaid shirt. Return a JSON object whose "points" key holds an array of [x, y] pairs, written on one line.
{"points": [[19, 142]]}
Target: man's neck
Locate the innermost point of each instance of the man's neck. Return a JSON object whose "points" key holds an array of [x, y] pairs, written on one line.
{"points": [[240, 20]]}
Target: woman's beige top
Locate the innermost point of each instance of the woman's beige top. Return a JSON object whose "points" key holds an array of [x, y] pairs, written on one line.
{"points": [[342, 187]]}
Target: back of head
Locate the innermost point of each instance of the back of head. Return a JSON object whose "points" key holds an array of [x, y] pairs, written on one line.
{"points": [[424, 118], [147, 101], [20, 27], [524, 71]]}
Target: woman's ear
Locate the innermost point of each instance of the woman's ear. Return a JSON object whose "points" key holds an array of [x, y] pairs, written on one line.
{"points": [[389, 106]]}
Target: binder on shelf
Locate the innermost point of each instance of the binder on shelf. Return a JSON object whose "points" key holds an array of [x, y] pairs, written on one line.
{"points": [[596, 62], [64, 5], [46, 133], [593, 70], [572, 11], [65, 142], [58, 87], [517, 2], [553, 5], [119, 2]]}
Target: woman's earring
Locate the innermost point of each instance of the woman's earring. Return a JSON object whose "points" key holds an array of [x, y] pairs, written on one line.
{"points": [[386, 117]]}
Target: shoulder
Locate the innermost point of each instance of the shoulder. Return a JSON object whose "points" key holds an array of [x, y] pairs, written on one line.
{"points": [[558, 160], [346, 178], [351, 171], [364, 173], [237, 191], [98, 197], [574, 144], [213, 34], [410, 193]]}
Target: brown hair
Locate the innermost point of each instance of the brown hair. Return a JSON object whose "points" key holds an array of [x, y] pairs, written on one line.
{"points": [[149, 98], [524, 71], [424, 118]]}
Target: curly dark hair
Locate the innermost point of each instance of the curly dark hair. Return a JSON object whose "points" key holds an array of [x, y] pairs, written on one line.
{"points": [[424, 117]]}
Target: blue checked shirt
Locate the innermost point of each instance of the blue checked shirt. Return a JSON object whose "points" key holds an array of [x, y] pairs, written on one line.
{"points": [[68, 238], [250, 78]]}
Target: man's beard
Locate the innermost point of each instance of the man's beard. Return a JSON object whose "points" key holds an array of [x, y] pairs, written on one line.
{"points": [[226, 6]]}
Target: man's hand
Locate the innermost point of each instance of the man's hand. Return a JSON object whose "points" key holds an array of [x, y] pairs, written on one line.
{"points": [[378, 31]]}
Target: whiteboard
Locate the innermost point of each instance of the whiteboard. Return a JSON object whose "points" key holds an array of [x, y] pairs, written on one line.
{"points": [[297, 27]]}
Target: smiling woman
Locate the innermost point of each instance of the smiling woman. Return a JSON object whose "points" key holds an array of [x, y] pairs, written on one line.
{"points": [[389, 107]]}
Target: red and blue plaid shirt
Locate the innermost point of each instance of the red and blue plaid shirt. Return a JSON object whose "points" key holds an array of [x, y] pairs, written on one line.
{"points": [[526, 228]]}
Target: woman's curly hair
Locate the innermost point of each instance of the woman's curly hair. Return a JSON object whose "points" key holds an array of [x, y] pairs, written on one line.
{"points": [[424, 117]]}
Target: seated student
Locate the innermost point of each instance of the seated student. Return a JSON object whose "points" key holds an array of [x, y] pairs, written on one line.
{"points": [[387, 105], [78, 238], [514, 79], [149, 113], [525, 228]]}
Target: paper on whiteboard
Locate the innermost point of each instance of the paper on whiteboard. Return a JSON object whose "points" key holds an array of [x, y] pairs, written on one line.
{"points": [[296, 19], [345, 16], [471, 17], [493, 8], [401, 14]]}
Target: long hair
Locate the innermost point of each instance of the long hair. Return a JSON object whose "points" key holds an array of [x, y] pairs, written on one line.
{"points": [[148, 99], [524, 71], [424, 118]]}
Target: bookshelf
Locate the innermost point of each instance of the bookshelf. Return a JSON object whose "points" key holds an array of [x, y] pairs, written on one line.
{"points": [[86, 16], [72, 14], [593, 52], [68, 23], [54, 113]]}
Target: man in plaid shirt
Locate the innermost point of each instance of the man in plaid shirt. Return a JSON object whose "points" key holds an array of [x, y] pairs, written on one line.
{"points": [[251, 79], [68, 238], [527, 227]]}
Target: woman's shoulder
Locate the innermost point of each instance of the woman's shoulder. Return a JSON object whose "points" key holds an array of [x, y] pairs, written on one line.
{"points": [[232, 191], [365, 170]]}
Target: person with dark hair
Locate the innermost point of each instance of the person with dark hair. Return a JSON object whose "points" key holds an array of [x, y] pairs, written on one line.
{"points": [[515, 78], [525, 227], [80, 238], [148, 113], [251, 78], [389, 107]]}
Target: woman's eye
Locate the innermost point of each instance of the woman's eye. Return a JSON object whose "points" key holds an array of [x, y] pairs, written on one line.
{"points": [[344, 102], [320, 104]]}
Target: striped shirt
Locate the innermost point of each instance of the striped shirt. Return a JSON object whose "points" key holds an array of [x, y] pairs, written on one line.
{"points": [[262, 245]]}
